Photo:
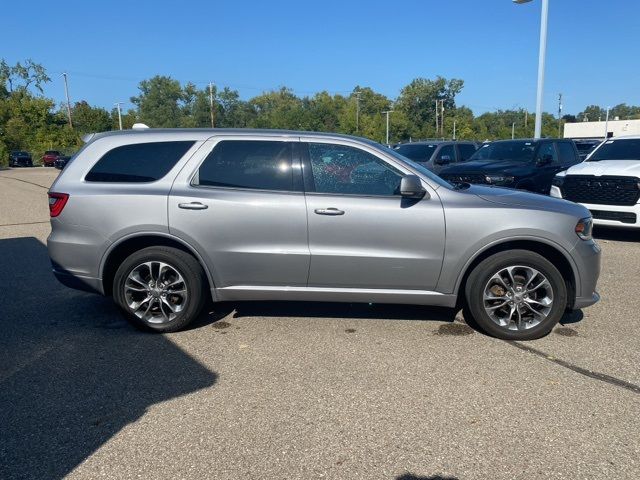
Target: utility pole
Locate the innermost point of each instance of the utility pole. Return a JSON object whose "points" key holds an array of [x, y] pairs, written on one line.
{"points": [[358, 93], [387, 112], [211, 103], [454, 130], [560, 115], [117, 104], [437, 114], [526, 118], [513, 131], [606, 125], [66, 92], [442, 118]]}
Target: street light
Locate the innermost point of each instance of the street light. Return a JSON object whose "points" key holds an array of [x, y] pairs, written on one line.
{"points": [[541, 62], [387, 112]]}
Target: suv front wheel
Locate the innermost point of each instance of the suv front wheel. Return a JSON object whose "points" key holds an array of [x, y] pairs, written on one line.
{"points": [[160, 289], [516, 295]]}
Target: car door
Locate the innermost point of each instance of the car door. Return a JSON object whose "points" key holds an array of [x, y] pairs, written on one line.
{"points": [[362, 234], [445, 156], [240, 202], [546, 167]]}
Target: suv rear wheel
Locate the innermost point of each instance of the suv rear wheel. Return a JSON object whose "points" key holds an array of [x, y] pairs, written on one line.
{"points": [[160, 289], [516, 295]]}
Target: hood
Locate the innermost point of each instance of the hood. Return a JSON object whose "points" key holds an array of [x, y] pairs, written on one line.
{"points": [[607, 167], [489, 166], [520, 198]]}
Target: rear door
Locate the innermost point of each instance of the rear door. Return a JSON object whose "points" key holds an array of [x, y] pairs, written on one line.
{"points": [[362, 234], [240, 202]]}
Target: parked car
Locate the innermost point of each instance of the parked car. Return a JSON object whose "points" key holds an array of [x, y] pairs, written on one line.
{"points": [[437, 154], [20, 158], [49, 158], [607, 183], [162, 219], [61, 161], [585, 146], [522, 164]]}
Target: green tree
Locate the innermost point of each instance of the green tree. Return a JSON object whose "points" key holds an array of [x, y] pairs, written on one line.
{"points": [[160, 102], [88, 119]]}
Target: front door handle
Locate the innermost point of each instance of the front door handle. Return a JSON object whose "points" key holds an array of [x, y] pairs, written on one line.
{"points": [[193, 206], [329, 211]]}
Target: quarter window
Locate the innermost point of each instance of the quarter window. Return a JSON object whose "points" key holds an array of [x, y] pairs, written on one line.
{"points": [[351, 171], [261, 165], [137, 163]]}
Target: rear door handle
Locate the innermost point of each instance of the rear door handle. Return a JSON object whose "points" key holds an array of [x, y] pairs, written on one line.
{"points": [[193, 206], [329, 211]]}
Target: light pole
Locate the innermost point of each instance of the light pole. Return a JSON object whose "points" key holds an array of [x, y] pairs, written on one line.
{"points": [[606, 125], [387, 112], [66, 92], [541, 61], [117, 104]]}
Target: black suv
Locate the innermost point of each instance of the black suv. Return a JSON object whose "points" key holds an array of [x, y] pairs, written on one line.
{"points": [[523, 164], [437, 154], [20, 158]]}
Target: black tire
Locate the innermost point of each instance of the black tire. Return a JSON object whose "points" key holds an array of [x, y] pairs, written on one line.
{"points": [[194, 280], [485, 270]]}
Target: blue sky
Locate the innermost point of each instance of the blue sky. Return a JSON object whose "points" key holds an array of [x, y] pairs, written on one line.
{"points": [[108, 47]]}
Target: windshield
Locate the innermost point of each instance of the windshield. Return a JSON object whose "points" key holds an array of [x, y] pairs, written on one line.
{"points": [[418, 153], [628, 149], [420, 168], [521, 150]]}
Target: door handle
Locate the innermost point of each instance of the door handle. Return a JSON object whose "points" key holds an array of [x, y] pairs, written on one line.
{"points": [[329, 211], [193, 206]]}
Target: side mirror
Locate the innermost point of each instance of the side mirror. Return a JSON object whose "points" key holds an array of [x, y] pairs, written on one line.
{"points": [[443, 160], [545, 160], [411, 187]]}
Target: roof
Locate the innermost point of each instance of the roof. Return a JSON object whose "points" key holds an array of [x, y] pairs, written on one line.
{"points": [[204, 133]]}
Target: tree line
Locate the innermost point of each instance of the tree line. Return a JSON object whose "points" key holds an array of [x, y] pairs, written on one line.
{"points": [[30, 121]]}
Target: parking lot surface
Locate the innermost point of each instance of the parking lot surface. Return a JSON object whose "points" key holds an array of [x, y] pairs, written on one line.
{"points": [[305, 390]]}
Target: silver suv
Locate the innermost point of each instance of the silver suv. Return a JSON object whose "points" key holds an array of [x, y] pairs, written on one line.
{"points": [[164, 219]]}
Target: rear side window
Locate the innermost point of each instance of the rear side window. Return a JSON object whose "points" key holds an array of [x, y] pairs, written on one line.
{"points": [[260, 165], [466, 150], [138, 163], [567, 154]]}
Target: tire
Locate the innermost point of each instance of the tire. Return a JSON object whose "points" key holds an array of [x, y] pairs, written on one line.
{"points": [[510, 306], [178, 275]]}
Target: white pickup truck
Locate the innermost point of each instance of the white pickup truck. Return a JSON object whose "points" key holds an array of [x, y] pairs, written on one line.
{"points": [[607, 183]]}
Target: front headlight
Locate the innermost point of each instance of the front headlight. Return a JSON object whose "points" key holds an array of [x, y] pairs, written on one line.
{"points": [[499, 179], [557, 181], [584, 228]]}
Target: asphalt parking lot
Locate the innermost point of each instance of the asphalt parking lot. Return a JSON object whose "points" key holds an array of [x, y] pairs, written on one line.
{"points": [[293, 390]]}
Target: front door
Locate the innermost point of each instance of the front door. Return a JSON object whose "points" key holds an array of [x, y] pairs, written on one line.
{"points": [[362, 234], [240, 202]]}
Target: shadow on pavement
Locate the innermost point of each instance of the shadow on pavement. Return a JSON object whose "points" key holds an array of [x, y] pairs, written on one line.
{"points": [[343, 310], [72, 372], [617, 234]]}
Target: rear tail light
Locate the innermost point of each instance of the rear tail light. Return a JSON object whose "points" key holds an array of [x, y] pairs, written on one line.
{"points": [[57, 201]]}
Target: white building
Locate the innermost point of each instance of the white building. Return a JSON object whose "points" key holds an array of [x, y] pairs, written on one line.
{"points": [[615, 128]]}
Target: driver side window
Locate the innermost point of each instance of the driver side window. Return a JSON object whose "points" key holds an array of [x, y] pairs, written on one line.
{"points": [[547, 151], [350, 171]]}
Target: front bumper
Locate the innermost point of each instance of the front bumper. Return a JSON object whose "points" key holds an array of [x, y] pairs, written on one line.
{"points": [[620, 216], [588, 258]]}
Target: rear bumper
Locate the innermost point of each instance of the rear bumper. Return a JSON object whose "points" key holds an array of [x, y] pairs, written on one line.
{"points": [[584, 302], [78, 282]]}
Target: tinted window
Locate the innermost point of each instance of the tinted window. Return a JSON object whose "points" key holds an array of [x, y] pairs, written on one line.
{"points": [[547, 150], [447, 154], [466, 151], [617, 150], [567, 153], [508, 150], [418, 153], [348, 170], [261, 165], [136, 163]]}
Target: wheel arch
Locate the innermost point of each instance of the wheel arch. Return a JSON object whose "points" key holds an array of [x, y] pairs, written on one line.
{"points": [[121, 249], [551, 252]]}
